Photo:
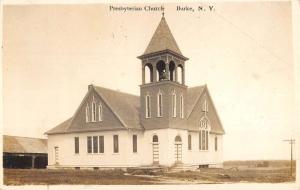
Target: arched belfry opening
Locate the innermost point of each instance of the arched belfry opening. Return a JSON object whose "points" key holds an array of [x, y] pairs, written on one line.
{"points": [[148, 73], [161, 70], [180, 74], [172, 71]]}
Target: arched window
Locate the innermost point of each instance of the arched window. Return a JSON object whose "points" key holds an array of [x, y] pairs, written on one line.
{"points": [[161, 68], [204, 123], [155, 138], [172, 71], [203, 134], [180, 74], [205, 107], [216, 143], [100, 112], [159, 104], [181, 109], [147, 106], [87, 113], [174, 104], [177, 138], [93, 112], [148, 73]]}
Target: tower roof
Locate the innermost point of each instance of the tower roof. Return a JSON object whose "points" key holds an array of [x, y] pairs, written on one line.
{"points": [[162, 40]]}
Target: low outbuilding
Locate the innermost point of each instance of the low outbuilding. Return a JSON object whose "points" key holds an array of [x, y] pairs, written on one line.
{"points": [[24, 152]]}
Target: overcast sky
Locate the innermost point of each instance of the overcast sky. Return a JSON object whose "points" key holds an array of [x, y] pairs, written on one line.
{"points": [[242, 51]]}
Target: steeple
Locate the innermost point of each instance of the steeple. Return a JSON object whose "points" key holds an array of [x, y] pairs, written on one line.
{"points": [[163, 89], [162, 40], [163, 59]]}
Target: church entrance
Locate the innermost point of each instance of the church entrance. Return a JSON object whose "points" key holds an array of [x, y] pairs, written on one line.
{"points": [[155, 149], [178, 149]]}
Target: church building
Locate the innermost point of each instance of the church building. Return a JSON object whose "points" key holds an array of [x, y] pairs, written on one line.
{"points": [[169, 124]]}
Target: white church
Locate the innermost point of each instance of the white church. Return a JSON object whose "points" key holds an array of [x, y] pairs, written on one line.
{"points": [[169, 124]]}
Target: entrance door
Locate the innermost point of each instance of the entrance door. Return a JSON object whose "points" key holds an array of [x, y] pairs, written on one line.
{"points": [[178, 149], [155, 149]]}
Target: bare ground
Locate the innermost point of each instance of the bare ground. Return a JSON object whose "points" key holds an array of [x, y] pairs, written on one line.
{"points": [[232, 173]]}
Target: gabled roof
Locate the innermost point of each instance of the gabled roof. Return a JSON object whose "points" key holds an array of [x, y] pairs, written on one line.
{"points": [[13, 144], [124, 106], [162, 39], [193, 95]]}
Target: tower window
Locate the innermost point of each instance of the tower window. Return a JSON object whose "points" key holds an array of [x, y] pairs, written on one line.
{"points": [[87, 113], [159, 104], [181, 107], [148, 115], [216, 143], [174, 104]]}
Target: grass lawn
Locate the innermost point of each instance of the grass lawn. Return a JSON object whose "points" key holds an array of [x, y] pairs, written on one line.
{"points": [[51, 177], [118, 177]]}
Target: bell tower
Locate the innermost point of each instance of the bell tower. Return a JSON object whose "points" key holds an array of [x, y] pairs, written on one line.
{"points": [[163, 89]]}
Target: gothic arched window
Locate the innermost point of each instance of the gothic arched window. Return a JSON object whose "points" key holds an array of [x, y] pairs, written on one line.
{"points": [[181, 109], [93, 112], [100, 110], [87, 113], [174, 104], [203, 134], [205, 107]]}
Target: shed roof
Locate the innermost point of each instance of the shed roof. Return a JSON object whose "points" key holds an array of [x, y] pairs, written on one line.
{"points": [[14, 144]]}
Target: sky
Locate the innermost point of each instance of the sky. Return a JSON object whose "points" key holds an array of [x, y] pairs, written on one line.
{"points": [[242, 51]]}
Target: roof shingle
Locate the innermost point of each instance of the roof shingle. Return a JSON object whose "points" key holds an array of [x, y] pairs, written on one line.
{"points": [[125, 106], [162, 40], [13, 144]]}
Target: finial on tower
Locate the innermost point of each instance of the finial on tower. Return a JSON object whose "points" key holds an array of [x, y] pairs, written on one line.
{"points": [[163, 14]]}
